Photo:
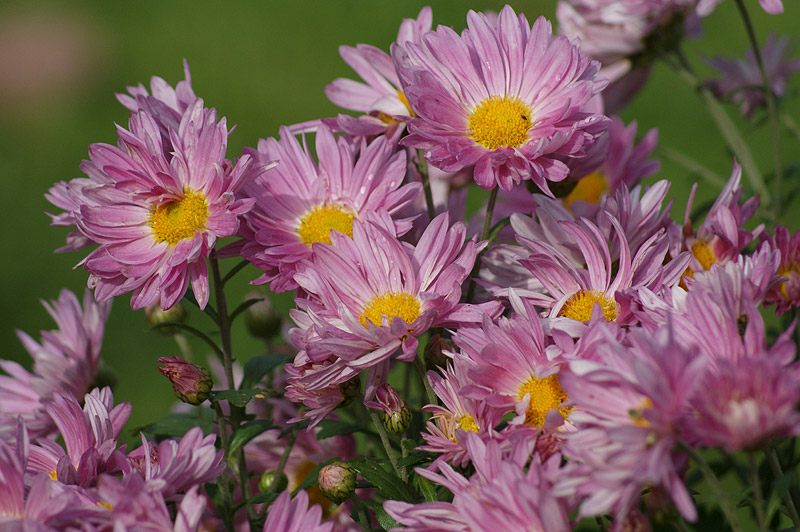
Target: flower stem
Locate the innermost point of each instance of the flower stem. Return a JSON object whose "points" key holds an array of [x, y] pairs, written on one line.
{"points": [[387, 445], [487, 224], [758, 499], [713, 481], [777, 471], [772, 111], [422, 166]]}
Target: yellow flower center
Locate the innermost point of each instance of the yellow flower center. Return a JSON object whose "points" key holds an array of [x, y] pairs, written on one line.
{"points": [[589, 189], [179, 219], [317, 223], [579, 306], [390, 304], [704, 254], [467, 423], [546, 395], [500, 122]]}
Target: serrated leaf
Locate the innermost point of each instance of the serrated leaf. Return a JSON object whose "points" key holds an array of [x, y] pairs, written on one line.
{"points": [[390, 486], [332, 427], [176, 425], [384, 519], [240, 397], [257, 367], [247, 432]]}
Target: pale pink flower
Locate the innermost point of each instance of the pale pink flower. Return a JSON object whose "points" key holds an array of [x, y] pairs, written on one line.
{"points": [[503, 96]]}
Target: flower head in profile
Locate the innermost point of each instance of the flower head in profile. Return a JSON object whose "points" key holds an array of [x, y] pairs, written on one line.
{"points": [[159, 219], [300, 201], [505, 97]]}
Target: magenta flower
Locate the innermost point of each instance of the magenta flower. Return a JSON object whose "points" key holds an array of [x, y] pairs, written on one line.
{"points": [[379, 96], [507, 98], [741, 80], [160, 218], [65, 362], [287, 515], [301, 201]]}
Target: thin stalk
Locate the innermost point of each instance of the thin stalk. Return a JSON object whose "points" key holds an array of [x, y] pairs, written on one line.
{"points": [[713, 481], [387, 445], [487, 225], [758, 498], [725, 125], [777, 471], [422, 166], [772, 111]]}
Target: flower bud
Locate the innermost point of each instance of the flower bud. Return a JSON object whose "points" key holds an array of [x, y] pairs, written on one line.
{"points": [[396, 413], [434, 352], [261, 319], [192, 384], [267, 480], [337, 481], [154, 315]]}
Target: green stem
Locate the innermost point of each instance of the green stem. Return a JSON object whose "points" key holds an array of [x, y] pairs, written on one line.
{"points": [[387, 445], [758, 499], [725, 125], [772, 111], [777, 471], [422, 166], [713, 481], [487, 224]]}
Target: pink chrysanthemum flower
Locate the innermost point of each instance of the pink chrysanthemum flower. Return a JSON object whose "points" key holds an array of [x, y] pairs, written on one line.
{"points": [[367, 297], [505, 97], [785, 294], [287, 515], [160, 219], [301, 201], [741, 81], [65, 362], [380, 97]]}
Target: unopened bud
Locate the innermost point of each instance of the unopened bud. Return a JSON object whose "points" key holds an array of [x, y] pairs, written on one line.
{"points": [[192, 384], [434, 353], [350, 390], [261, 319], [337, 481], [154, 315], [267, 480]]}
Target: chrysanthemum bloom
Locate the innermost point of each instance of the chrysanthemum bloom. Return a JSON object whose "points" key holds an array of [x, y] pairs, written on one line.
{"points": [[786, 294], [379, 97], [287, 515], [366, 297], [173, 466], [300, 201], [506, 97], [66, 362], [90, 438], [161, 218], [741, 80]]}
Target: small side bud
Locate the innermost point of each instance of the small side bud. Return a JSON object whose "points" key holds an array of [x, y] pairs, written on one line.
{"points": [[154, 315], [261, 319], [396, 413], [192, 384], [434, 353], [337, 481], [267, 480]]}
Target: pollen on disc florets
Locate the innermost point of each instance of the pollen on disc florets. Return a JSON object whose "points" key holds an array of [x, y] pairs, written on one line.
{"points": [[579, 306], [545, 394], [179, 219], [500, 122], [316, 224], [390, 304]]}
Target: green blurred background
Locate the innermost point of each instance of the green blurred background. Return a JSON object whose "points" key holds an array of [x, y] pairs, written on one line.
{"points": [[261, 64]]}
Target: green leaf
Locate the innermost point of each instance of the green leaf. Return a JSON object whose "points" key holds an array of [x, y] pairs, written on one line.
{"points": [[240, 397], [384, 519], [176, 425], [257, 367], [332, 427], [387, 483], [247, 432]]}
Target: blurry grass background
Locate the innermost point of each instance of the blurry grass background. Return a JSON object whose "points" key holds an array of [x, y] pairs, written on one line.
{"points": [[261, 65]]}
